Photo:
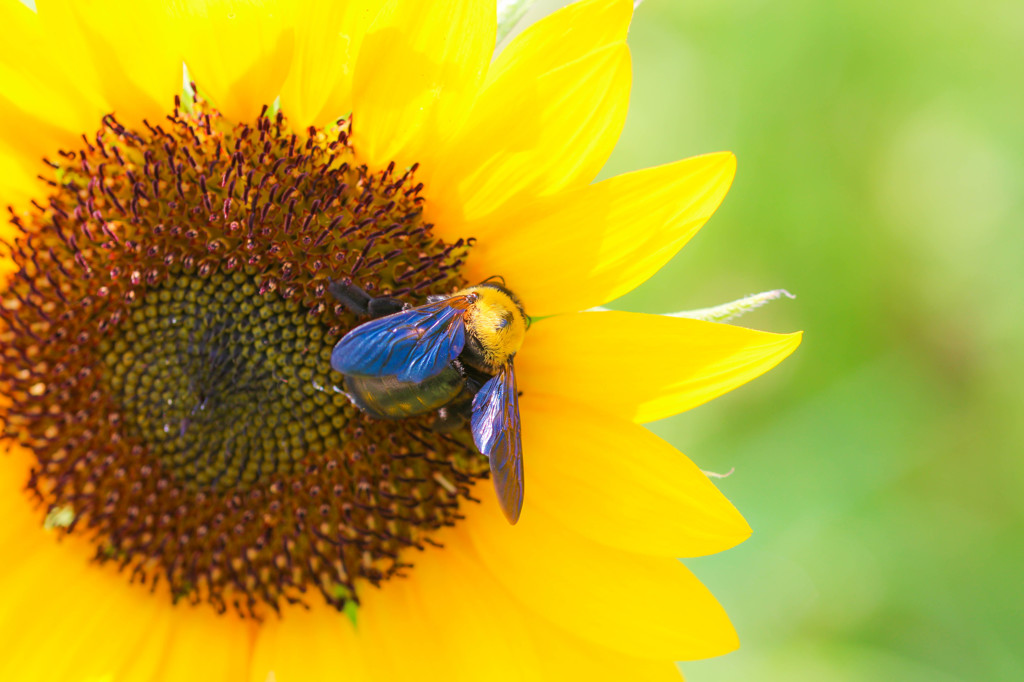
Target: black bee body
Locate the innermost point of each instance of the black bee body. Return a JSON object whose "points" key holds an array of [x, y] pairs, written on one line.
{"points": [[453, 355]]}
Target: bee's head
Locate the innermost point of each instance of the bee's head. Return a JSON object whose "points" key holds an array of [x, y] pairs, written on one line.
{"points": [[496, 322]]}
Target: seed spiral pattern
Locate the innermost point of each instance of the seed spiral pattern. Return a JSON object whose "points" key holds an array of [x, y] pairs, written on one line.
{"points": [[165, 341], [196, 368]]}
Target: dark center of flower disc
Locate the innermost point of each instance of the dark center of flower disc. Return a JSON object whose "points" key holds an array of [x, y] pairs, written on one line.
{"points": [[221, 383], [166, 341]]}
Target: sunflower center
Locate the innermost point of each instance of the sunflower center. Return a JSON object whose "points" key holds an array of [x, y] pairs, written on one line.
{"points": [[166, 341], [199, 363]]}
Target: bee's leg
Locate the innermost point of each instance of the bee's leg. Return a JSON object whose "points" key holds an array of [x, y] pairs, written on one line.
{"points": [[450, 418], [455, 414], [460, 410], [361, 303], [385, 305], [350, 296]]}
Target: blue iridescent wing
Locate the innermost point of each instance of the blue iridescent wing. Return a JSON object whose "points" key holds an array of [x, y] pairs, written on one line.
{"points": [[495, 424], [412, 345]]}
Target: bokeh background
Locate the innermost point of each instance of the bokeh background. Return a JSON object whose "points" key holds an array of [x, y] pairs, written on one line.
{"points": [[881, 180]]}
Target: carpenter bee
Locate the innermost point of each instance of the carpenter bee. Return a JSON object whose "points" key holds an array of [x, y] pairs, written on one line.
{"points": [[453, 354]]}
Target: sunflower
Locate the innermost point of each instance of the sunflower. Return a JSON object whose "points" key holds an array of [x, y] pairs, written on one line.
{"points": [[187, 492]]}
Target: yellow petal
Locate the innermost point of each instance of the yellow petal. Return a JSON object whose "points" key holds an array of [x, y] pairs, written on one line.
{"points": [[145, 663], [42, 108], [446, 620], [567, 657], [105, 36], [329, 35], [550, 113], [22, 519], [474, 629], [27, 151], [588, 246], [67, 618], [643, 367], [620, 485], [564, 36], [18, 185], [483, 634], [394, 635], [219, 646], [314, 644], [238, 52], [643, 606], [418, 71]]}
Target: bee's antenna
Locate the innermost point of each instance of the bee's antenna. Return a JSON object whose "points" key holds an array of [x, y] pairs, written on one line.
{"points": [[497, 277]]}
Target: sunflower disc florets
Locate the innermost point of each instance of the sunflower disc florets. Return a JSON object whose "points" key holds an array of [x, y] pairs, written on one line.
{"points": [[166, 341]]}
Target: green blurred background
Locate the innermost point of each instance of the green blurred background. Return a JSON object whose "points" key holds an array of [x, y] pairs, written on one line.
{"points": [[881, 164]]}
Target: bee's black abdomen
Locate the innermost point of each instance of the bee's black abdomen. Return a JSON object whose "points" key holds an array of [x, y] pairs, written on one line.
{"points": [[385, 397], [361, 303]]}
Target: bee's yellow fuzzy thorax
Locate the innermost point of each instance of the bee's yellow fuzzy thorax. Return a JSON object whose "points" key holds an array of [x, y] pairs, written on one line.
{"points": [[498, 323]]}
